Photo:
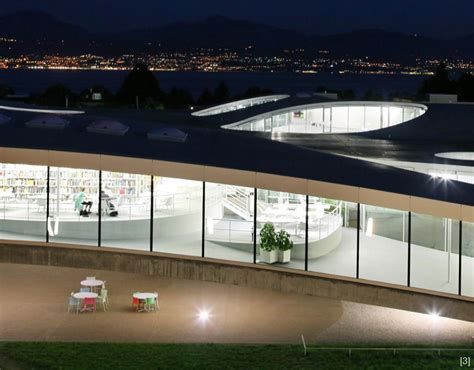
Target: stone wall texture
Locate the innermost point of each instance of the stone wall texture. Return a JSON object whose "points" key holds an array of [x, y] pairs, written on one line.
{"points": [[241, 274]]}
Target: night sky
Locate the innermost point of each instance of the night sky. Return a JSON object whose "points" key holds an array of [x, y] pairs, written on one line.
{"points": [[427, 17]]}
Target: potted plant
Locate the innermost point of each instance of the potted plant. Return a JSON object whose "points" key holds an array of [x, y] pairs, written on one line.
{"points": [[284, 246], [268, 243]]}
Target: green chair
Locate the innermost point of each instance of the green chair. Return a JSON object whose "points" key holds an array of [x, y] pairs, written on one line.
{"points": [[150, 304]]}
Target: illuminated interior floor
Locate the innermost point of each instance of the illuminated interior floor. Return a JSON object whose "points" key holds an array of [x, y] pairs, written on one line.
{"points": [[36, 310]]}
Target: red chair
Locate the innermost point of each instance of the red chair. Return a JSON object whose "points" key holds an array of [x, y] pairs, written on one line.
{"points": [[135, 301], [90, 304]]}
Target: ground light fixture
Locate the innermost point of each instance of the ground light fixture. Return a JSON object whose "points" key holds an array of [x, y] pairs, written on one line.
{"points": [[434, 315], [203, 316]]}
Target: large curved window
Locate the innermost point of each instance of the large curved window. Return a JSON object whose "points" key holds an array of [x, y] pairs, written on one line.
{"points": [[333, 118], [332, 239], [23, 202], [229, 222], [467, 280], [282, 212], [125, 209], [383, 244], [177, 216], [73, 206], [434, 253]]}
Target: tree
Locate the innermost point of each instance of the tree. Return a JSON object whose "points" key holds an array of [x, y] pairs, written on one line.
{"points": [[254, 92], [178, 98], [371, 95], [206, 97], [465, 87], [141, 83], [439, 83], [5, 90], [58, 96], [221, 93]]}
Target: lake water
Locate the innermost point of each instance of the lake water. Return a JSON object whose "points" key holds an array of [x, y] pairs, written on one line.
{"points": [[34, 81]]}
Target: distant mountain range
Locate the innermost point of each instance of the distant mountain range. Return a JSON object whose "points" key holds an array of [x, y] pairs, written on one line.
{"points": [[38, 32]]}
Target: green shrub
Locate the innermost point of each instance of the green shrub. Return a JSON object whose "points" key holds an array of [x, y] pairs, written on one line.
{"points": [[268, 240]]}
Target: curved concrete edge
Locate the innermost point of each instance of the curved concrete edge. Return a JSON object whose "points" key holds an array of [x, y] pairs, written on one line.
{"points": [[241, 274]]}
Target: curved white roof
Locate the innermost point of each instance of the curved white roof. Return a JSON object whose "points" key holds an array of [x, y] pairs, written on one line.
{"points": [[239, 104]]}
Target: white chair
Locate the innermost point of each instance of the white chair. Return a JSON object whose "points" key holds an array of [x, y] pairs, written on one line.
{"points": [[103, 299], [90, 278], [156, 302], [73, 303]]}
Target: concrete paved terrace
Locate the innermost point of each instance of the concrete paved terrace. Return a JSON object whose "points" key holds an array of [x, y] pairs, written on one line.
{"points": [[34, 308]]}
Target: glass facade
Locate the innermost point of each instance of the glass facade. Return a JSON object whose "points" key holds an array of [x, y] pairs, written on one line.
{"points": [[177, 216], [434, 253], [229, 222], [336, 118], [467, 261], [332, 238], [235, 223], [73, 206], [383, 245], [125, 202], [23, 202], [285, 212]]}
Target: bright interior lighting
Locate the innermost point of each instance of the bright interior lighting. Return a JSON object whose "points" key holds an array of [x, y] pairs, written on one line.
{"points": [[210, 225], [50, 227], [56, 226], [370, 227]]}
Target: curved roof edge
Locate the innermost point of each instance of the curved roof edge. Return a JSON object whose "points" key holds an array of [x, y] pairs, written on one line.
{"points": [[239, 105]]}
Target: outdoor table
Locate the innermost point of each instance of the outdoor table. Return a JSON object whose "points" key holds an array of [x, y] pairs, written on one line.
{"points": [[92, 283], [83, 295], [142, 298]]}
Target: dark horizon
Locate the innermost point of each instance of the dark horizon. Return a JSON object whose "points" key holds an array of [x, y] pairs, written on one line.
{"points": [[423, 17]]}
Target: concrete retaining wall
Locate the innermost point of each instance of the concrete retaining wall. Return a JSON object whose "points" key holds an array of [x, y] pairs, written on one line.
{"points": [[235, 273]]}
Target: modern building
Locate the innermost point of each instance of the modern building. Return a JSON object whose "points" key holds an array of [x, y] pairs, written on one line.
{"points": [[381, 191]]}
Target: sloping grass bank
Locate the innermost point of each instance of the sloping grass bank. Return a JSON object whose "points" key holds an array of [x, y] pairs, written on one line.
{"points": [[47, 355]]}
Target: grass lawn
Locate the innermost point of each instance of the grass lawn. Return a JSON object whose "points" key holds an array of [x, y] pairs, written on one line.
{"points": [[24, 355]]}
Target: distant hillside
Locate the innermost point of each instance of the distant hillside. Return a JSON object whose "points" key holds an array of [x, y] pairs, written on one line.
{"points": [[370, 42], [41, 33], [35, 25], [220, 32]]}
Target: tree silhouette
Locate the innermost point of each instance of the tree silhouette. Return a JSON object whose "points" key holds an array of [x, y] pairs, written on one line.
{"points": [[5, 90], [206, 97], [439, 83], [178, 98], [255, 91], [466, 87], [221, 93], [141, 83], [57, 95]]}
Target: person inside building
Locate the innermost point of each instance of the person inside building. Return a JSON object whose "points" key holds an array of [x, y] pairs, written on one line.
{"points": [[82, 204]]}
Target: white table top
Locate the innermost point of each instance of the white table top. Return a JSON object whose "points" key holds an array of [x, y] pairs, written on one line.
{"points": [[144, 295], [92, 282], [83, 295]]}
